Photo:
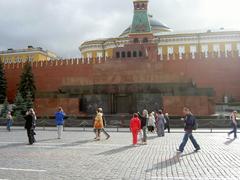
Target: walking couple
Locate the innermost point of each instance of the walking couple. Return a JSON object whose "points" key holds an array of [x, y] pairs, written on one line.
{"points": [[138, 125]]}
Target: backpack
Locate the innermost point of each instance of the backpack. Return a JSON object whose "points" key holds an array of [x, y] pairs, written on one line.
{"points": [[195, 124]]}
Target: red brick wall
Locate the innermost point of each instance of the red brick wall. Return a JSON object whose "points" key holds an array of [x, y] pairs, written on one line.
{"points": [[220, 74], [199, 105], [48, 106]]}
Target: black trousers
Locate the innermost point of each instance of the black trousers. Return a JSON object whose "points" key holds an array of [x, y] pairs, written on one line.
{"points": [[30, 134], [105, 132]]}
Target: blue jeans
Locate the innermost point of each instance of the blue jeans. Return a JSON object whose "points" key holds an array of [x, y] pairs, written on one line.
{"points": [[234, 130], [9, 124], [185, 139]]}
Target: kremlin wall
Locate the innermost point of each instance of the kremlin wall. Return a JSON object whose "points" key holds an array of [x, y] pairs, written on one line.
{"points": [[147, 66], [54, 77]]}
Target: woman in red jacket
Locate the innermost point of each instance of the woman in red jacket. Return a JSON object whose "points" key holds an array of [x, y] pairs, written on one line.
{"points": [[135, 126]]}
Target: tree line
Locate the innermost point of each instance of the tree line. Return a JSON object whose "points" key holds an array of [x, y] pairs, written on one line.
{"points": [[25, 93]]}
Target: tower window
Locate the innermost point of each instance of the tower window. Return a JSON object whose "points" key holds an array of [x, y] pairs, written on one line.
{"points": [[129, 54], [140, 54], [117, 54], [136, 40], [137, 6], [145, 40], [134, 53], [123, 54]]}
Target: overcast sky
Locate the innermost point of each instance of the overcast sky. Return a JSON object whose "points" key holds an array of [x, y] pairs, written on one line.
{"points": [[62, 25]]}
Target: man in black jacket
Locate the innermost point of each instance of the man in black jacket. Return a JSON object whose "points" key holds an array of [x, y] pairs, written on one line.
{"points": [[29, 126], [189, 126]]}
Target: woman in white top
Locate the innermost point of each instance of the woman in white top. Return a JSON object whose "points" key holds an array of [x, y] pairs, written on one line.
{"points": [[151, 122]]}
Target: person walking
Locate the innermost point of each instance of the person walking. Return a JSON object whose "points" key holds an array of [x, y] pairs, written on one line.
{"points": [[59, 118], [160, 121], [34, 123], [189, 121], [233, 118], [144, 121], [29, 126], [167, 124], [9, 121], [135, 127], [98, 125], [151, 122], [100, 110]]}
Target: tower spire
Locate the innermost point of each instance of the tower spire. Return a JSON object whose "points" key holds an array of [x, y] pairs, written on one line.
{"points": [[140, 23]]}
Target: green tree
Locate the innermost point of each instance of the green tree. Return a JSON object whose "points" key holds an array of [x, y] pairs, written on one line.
{"points": [[19, 106], [27, 83], [3, 83], [5, 108], [29, 100]]}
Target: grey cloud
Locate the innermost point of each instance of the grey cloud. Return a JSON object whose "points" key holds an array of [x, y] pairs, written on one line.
{"points": [[62, 25]]}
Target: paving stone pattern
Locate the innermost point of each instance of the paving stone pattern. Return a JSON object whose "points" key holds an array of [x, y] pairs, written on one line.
{"points": [[78, 156]]}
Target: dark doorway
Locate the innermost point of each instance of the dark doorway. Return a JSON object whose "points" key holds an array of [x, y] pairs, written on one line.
{"points": [[122, 104]]}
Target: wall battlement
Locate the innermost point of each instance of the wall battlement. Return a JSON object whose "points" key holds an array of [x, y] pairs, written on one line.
{"points": [[89, 61]]}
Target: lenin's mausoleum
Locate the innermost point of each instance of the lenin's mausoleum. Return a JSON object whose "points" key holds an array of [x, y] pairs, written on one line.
{"points": [[147, 66]]}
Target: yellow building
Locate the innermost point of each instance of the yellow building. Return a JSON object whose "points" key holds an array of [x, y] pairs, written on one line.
{"points": [[220, 42], [33, 54]]}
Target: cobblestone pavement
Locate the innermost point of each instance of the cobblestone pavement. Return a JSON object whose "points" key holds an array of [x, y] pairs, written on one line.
{"points": [[78, 156]]}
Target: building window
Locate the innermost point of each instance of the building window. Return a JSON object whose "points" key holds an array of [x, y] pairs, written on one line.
{"points": [[238, 49], [106, 54], [228, 48], [216, 49], [129, 54], [118, 54], [140, 54], [134, 53], [160, 52], [145, 40], [123, 54], [204, 49], [89, 55], [181, 51], [99, 55], [193, 51], [170, 52], [136, 40]]}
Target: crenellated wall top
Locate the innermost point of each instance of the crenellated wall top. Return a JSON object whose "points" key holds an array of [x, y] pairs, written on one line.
{"points": [[233, 55]]}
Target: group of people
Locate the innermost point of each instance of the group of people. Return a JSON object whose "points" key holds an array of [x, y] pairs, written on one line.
{"points": [[140, 123], [155, 121], [30, 123]]}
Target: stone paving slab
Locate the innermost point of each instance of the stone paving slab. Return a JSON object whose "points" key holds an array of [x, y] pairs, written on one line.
{"points": [[78, 156]]}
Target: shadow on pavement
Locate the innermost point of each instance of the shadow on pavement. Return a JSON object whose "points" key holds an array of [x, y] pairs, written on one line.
{"points": [[169, 162], [76, 143], [152, 137], [228, 142], [45, 140], [164, 164], [117, 150], [12, 145]]}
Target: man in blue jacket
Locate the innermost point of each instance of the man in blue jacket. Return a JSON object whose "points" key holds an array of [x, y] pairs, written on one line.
{"points": [[59, 117], [189, 126]]}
